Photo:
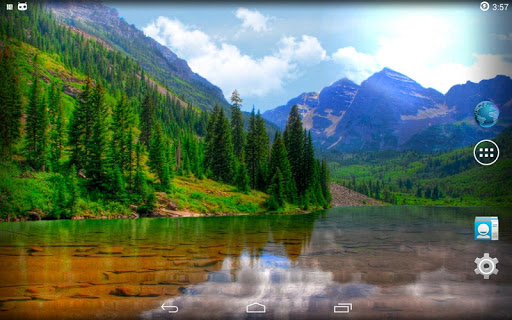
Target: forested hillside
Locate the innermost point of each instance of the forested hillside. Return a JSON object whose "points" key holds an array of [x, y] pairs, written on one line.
{"points": [[449, 178], [104, 23], [88, 132]]}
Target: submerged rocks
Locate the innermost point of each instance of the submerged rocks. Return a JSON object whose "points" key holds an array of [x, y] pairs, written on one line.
{"points": [[111, 250], [132, 292]]}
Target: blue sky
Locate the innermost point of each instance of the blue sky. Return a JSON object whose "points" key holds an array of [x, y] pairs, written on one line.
{"points": [[273, 52]]}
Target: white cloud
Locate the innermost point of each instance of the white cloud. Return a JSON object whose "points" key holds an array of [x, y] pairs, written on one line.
{"points": [[419, 49], [226, 66], [185, 41], [308, 51], [252, 19], [230, 69], [356, 66], [486, 66]]}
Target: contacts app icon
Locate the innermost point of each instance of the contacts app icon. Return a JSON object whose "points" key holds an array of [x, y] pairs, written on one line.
{"points": [[486, 228]]}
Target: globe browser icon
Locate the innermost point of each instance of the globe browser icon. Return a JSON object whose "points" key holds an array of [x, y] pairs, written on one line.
{"points": [[486, 114]]}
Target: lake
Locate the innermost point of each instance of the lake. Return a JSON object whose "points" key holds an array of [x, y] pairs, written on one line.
{"points": [[389, 262]]}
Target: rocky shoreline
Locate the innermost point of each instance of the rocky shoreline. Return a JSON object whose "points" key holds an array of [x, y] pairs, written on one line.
{"points": [[345, 197], [165, 209], [159, 213], [154, 214]]}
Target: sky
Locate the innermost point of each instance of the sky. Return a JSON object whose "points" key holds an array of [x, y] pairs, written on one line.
{"points": [[271, 53]]}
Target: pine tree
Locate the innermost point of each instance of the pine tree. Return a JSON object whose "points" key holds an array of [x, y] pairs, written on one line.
{"points": [[170, 158], [43, 134], [52, 97], [222, 164], [435, 193], [130, 157], [237, 123], [262, 141], [178, 155], [316, 185], [279, 161], [59, 204], [408, 184], [32, 118], [158, 156], [252, 151], [80, 127], [377, 190], [140, 186], [57, 139], [428, 193], [294, 142], [263, 177], [324, 181], [210, 151], [419, 192], [201, 170], [241, 178], [276, 191], [122, 122], [117, 187], [257, 152], [147, 120], [96, 147], [36, 137], [193, 155], [73, 191], [10, 104], [309, 160]]}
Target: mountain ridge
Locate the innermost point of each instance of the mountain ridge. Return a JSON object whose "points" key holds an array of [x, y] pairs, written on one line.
{"points": [[105, 24], [389, 110]]}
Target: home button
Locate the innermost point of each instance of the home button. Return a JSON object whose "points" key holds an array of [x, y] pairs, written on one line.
{"points": [[255, 308]]}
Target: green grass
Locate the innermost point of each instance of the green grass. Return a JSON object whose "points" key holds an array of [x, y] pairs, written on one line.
{"points": [[19, 195], [23, 191], [208, 196]]}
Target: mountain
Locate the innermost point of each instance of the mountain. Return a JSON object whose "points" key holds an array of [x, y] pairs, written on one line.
{"points": [[390, 111], [104, 23], [63, 88], [279, 115], [465, 97], [94, 19]]}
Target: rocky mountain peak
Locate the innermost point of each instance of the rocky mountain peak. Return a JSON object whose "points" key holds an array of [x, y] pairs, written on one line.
{"points": [[392, 111], [389, 78]]}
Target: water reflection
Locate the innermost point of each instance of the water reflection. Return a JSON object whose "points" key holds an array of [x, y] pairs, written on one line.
{"points": [[397, 262], [286, 290]]}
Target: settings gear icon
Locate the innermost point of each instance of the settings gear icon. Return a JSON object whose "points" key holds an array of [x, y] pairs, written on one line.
{"points": [[486, 266]]}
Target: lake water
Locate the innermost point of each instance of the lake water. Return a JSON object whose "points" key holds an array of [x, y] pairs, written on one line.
{"points": [[389, 262]]}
